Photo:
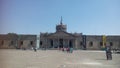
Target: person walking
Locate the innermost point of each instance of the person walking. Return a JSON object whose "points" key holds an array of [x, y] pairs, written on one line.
{"points": [[108, 53], [35, 49], [71, 49]]}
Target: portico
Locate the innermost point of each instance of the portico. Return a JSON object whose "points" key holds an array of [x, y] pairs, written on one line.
{"points": [[61, 38]]}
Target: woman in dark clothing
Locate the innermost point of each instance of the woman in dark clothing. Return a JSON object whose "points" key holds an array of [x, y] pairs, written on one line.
{"points": [[108, 53]]}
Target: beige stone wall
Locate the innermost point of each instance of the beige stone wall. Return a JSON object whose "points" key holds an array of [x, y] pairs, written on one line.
{"points": [[116, 44], [27, 44], [13, 41], [95, 45], [7, 44], [77, 44]]}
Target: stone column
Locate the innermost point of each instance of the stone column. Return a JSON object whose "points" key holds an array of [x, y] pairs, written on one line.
{"points": [[76, 43], [63, 42], [45, 44], [58, 42], [66, 42], [53, 41]]}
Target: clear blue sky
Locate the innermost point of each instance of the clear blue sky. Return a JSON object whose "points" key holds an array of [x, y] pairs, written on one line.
{"points": [[91, 17]]}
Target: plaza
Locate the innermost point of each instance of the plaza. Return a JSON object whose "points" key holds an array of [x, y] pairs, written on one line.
{"points": [[12, 58]]}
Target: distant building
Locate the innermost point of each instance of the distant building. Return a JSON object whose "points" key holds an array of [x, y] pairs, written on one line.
{"points": [[12, 41], [61, 38], [8, 40]]}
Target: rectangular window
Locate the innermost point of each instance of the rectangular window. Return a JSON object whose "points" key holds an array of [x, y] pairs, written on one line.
{"points": [[90, 44], [12, 43], [40, 42], [21, 42], [101, 44], [31, 42], [81, 43], [111, 43], [2, 42]]}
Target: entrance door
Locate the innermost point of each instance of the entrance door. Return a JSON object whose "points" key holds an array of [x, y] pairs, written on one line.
{"points": [[51, 43], [61, 43], [70, 44]]}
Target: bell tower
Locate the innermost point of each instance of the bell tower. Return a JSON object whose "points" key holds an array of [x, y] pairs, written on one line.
{"points": [[61, 27]]}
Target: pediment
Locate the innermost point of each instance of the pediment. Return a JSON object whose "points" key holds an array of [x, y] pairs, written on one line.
{"points": [[61, 34]]}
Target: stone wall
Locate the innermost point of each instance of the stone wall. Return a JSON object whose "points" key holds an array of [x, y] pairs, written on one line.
{"points": [[95, 41], [27, 41], [12, 41]]}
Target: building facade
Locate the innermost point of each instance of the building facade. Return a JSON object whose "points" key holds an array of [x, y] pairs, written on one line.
{"points": [[61, 38], [12, 41]]}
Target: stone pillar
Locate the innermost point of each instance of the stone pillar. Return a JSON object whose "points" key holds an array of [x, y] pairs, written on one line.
{"points": [[76, 43], [63, 42], [37, 41], [58, 42], [53, 43], [66, 42], [45, 44]]}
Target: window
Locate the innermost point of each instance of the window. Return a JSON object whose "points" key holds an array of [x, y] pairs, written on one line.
{"points": [[91, 44], [101, 43], [81, 43], [12, 43], [31, 42], [2, 42], [111, 44], [21, 42], [40, 42]]}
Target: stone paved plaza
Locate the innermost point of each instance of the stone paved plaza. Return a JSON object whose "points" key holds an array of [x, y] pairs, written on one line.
{"points": [[56, 59]]}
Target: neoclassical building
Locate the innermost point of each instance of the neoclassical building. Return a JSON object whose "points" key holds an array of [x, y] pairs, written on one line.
{"points": [[61, 38]]}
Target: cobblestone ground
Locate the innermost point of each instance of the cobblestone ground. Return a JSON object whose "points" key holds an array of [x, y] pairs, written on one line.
{"points": [[56, 59]]}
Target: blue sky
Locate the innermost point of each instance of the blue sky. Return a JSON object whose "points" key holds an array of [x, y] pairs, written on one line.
{"points": [[91, 17]]}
